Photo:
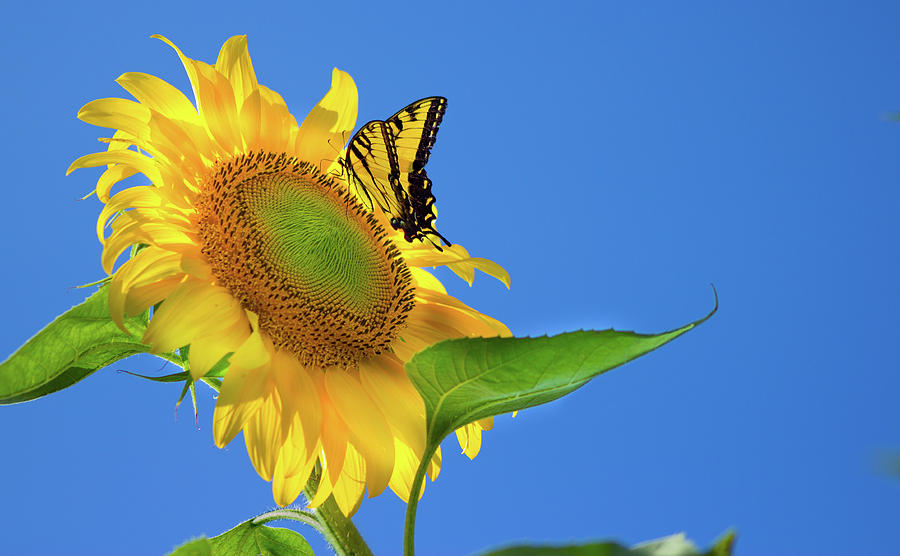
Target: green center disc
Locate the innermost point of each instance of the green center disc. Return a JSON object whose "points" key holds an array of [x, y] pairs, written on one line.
{"points": [[294, 247]]}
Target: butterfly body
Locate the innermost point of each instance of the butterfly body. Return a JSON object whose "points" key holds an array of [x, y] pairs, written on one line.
{"points": [[385, 161]]}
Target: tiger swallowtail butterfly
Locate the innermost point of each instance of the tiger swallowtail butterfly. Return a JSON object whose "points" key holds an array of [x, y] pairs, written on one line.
{"points": [[385, 161]]}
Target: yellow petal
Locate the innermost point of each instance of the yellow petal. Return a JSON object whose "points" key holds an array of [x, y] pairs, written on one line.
{"points": [[140, 298], [446, 321], [117, 113], [215, 100], [278, 128], [425, 279], [218, 108], [206, 351], [301, 405], [110, 177], [234, 63], [405, 466], [263, 433], [196, 310], [335, 437], [407, 463], [325, 488], [242, 391], [349, 489], [450, 321], [286, 486], [330, 123], [141, 196], [185, 61], [193, 262], [457, 259], [186, 145], [465, 269], [257, 350], [251, 121], [414, 340], [434, 469], [160, 234], [462, 311], [369, 432], [160, 96], [387, 384], [469, 438], [138, 162], [149, 265]]}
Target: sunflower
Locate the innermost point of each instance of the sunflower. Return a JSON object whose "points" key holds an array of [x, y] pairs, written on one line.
{"points": [[253, 249]]}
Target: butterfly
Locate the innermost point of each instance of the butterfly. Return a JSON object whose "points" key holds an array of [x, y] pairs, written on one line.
{"points": [[385, 161]]}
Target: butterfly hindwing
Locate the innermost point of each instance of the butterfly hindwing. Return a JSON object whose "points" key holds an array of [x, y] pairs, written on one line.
{"points": [[386, 162]]}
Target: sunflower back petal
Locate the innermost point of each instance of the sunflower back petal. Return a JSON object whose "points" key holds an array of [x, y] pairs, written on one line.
{"points": [[235, 64]]}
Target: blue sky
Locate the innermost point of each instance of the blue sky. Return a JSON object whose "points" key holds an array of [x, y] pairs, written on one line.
{"points": [[616, 158]]}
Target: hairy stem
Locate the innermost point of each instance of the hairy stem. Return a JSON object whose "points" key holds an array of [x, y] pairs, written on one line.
{"points": [[337, 528]]}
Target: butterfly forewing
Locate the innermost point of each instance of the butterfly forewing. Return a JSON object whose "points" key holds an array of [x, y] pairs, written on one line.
{"points": [[415, 129]]}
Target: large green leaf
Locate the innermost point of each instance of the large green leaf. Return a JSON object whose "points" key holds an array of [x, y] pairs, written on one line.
{"points": [[468, 379], [250, 538], [675, 545], [254, 536], [77, 343]]}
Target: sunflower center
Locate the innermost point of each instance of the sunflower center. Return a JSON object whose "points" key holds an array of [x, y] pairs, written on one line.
{"points": [[298, 250]]}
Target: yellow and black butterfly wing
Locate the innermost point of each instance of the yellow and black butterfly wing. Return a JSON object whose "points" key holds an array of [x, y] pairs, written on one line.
{"points": [[371, 162], [415, 131], [386, 163]]}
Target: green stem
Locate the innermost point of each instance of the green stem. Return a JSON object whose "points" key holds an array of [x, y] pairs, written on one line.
{"points": [[409, 530], [337, 528], [303, 516]]}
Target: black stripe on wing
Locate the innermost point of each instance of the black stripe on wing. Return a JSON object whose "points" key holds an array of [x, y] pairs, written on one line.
{"points": [[415, 128]]}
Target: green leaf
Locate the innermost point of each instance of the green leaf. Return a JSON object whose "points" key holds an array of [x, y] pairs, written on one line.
{"points": [[180, 376], [250, 539], [218, 370], [196, 547], [468, 379], [79, 342], [674, 545]]}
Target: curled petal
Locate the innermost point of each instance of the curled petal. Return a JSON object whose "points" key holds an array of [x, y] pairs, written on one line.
{"points": [[132, 159], [160, 96]]}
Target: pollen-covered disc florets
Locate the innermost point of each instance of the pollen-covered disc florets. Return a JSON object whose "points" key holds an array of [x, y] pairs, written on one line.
{"points": [[299, 251]]}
